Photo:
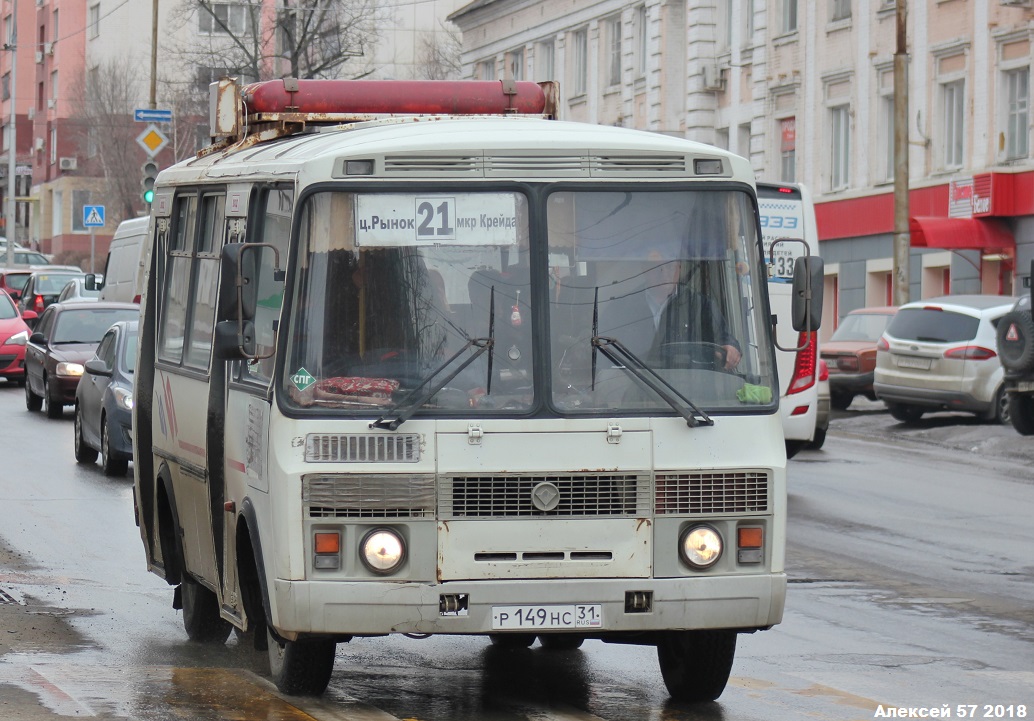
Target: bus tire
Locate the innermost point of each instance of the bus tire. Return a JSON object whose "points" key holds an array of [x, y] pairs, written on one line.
{"points": [[561, 641], [512, 640], [695, 665], [201, 618], [300, 668]]}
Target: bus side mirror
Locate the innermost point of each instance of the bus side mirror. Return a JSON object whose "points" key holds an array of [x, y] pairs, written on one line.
{"points": [[806, 311], [90, 282], [233, 341], [238, 281]]}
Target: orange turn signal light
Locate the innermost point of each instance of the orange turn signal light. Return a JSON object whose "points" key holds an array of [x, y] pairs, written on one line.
{"points": [[328, 543], [749, 537]]}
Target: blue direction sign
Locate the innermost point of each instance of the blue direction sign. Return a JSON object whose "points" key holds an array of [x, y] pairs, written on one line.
{"points": [[150, 115], [93, 216]]}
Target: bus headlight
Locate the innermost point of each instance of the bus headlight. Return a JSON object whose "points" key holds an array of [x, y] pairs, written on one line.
{"points": [[700, 546], [382, 550]]}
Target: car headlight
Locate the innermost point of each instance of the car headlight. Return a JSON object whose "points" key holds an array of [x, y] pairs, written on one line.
{"points": [[700, 546], [382, 551], [123, 398], [69, 369], [18, 338]]}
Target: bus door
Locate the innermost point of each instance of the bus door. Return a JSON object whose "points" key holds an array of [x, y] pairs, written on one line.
{"points": [[188, 288], [246, 387]]}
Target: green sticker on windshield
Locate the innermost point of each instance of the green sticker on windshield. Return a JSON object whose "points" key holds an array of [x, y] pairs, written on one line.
{"points": [[302, 379]]}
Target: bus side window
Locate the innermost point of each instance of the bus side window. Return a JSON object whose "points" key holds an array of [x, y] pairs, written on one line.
{"points": [[276, 230]]}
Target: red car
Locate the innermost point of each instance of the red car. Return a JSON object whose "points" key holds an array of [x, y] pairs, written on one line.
{"points": [[14, 334], [65, 337], [851, 354], [13, 280]]}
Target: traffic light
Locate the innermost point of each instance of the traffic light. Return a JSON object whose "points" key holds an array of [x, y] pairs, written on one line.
{"points": [[150, 171]]}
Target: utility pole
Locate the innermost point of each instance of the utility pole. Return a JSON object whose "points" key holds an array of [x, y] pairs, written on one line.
{"points": [[153, 99], [10, 227], [901, 212]]}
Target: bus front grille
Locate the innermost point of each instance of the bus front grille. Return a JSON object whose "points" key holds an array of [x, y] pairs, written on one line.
{"points": [[711, 492], [368, 496], [581, 495], [362, 448]]}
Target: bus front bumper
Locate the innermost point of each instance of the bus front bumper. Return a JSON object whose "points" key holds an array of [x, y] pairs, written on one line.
{"points": [[746, 602]]}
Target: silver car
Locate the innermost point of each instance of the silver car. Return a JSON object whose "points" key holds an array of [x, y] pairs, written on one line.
{"points": [[939, 354]]}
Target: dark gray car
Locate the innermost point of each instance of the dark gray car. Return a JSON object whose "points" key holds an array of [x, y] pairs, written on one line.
{"points": [[104, 402]]}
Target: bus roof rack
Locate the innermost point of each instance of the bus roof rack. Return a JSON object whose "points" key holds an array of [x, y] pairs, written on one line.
{"points": [[271, 109]]}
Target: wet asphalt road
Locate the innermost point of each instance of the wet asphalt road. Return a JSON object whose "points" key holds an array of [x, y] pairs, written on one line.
{"points": [[910, 557]]}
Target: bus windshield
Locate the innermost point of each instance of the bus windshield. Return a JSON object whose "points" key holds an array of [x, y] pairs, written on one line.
{"points": [[435, 297]]}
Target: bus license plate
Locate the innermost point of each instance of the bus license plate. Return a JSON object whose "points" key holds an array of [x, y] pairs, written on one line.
{"points": [[1025, 386], [910, 361], [578, 615]]}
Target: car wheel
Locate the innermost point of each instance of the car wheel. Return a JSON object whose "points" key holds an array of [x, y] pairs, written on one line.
{"points": [[110, 463], [53, 409], [32, 401], [905, 414], [841, 401], [83, 453], [819, 440], [1021, 413], [999, 412], [696, 664]]}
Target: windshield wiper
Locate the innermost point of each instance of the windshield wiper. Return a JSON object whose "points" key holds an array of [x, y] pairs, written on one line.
{"points": [[417, 397], [625, 359]]}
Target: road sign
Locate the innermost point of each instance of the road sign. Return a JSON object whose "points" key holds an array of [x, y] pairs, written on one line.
{"points": [[152, 140], [150, 115], [93, 216]]}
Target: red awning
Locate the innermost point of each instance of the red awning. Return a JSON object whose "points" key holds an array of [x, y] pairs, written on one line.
{"points": [[961, 234]]}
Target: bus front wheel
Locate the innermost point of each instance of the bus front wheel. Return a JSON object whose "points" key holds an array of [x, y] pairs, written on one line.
{"points": [[695, 665], [300, 668]]}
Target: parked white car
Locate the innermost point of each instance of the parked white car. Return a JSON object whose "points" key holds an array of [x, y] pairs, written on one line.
{"points": [[939, 354]]}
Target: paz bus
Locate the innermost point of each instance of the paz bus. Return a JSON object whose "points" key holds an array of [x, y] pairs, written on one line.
{"points": [[420, 358], [787, 213]]}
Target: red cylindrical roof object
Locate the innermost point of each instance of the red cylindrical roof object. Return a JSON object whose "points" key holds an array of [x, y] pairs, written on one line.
{"points": [[400, 97]]}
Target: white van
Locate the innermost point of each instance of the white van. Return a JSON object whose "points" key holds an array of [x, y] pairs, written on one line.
{"points": [[124, 269], [786, 211]]}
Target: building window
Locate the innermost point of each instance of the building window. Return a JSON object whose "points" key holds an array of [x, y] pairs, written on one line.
{"points": [[486, 70], [53, 145], [721, 138], [545, 60], [789, 16], [743, 140], [840, 10], [515, 64], [614, 52], [225, 19], [953, 105], [886, 130], [53, 87], [788, 150], [580, 61], [641, 39], [93, 21], [5, 86], [748, 27], [1017, 118], [840, 152]]}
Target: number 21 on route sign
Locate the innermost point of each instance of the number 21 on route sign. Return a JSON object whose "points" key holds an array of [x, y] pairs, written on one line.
{"points": [[93, 216]]}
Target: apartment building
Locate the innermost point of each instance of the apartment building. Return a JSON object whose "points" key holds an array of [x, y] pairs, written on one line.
{"points": [[62, 158], [805, 91]]}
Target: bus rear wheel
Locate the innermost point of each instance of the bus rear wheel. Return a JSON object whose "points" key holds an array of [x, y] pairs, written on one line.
{"points": [[201, 617], [695, 665], [300, 668]]}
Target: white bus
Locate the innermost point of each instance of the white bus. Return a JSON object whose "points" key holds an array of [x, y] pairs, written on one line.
{"points": [[787, 213], [419, 359]]}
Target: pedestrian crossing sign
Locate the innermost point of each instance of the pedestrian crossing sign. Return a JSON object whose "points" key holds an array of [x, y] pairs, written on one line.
{"points": [[93, 216]]}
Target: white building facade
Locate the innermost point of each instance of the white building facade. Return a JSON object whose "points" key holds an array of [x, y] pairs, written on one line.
{"points": [[805, 91]]}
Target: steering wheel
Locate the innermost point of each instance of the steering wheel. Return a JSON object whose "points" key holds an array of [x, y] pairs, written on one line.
{"points": [[693, 354]]}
